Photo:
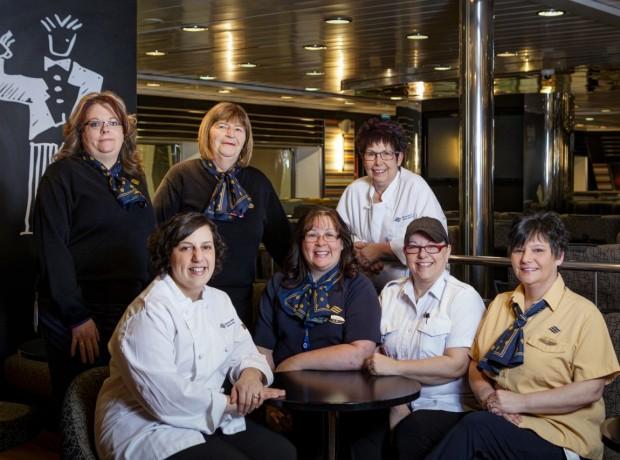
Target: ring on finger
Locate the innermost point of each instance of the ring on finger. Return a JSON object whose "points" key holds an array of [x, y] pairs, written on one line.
{"points": [[256, 396]]}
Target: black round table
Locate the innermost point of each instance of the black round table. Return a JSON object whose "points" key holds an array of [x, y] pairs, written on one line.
{"points": [[332, 392], [610, 429]]}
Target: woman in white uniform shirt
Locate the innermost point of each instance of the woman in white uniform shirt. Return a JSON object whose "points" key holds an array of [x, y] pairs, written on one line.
{"points": [[378, 207], [170, 354], [428, 323]]}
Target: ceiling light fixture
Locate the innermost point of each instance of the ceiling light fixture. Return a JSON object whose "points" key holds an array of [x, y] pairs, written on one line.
{"points": [[223, 91], [338, 20], [349, 103], [605, 110], [247, 65], [315, 73], [417, 36], [286, 97], [194, 28], [442, 67], [311, 88], [206, 77], [153, 84], [396, 98], [315, 47], [550, 13], [589, 118], [507, 54], [155, 53]]}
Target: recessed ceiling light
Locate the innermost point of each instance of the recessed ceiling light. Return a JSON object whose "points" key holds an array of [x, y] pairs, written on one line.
{"points": [[194, 28], [311, 88], [315, 47], [152, 20], [206, 77], [550, 13], [589, 118], [396, 98], [247, 65], [605, 110], [155, 53], [286, 97], [417, 36], [315, 73], [223, 91], [442, 67], [153, 84], [339, 20], [349, 103], [507, 54]]}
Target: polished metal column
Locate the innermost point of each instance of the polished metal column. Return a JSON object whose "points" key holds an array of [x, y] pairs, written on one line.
{"points": [[558, 113], [476, 132]]}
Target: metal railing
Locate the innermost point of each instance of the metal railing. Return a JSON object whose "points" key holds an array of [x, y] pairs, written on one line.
{"points": [[491, 261]]}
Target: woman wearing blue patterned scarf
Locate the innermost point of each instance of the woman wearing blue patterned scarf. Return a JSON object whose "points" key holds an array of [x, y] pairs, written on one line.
{"points": [[318, 313], [237, 197], [92, 218], [540, 360]]}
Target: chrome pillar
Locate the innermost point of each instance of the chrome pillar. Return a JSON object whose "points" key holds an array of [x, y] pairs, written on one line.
{"points": [[557, 177], [476, 132]]}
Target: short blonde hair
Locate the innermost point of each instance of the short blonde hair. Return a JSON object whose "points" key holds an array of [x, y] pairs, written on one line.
{"points": [[226, 111]]}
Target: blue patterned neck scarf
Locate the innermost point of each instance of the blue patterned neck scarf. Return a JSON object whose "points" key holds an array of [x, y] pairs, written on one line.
{"points": [[123, 189], [229, 200], [309, 301], [508, 350]]}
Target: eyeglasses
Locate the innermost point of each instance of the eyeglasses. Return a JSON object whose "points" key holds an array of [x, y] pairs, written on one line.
{"points": [[385, 155], [429, 248], [312, 236], [98, 124]]}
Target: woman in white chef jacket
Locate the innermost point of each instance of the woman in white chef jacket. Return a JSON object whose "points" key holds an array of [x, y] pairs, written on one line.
{"points": [[379, 206], [170, 354]]}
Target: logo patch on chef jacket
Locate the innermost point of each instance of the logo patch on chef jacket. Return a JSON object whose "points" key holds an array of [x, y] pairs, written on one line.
{"points": [[228, 323], [405, 217]]}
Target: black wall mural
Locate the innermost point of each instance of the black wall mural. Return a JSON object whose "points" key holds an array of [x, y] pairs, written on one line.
{"points": [[51, 54]]}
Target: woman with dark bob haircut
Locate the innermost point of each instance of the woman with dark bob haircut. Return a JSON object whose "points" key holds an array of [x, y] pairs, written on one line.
{"points": [[540, 360], [319, 312], [171, 352], [379, 207], [91, 221], [236, 196]]}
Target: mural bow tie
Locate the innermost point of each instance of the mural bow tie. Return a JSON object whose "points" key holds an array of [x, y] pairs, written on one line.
{"points": [[64, 63]]}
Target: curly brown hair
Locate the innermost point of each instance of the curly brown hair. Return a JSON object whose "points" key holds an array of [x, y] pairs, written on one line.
{"points": [[168, 235], [376, 130], [226, 111], [72, 145], [296, 267]]}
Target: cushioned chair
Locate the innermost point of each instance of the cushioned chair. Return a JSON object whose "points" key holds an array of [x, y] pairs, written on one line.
{"points": [[78, 415]]}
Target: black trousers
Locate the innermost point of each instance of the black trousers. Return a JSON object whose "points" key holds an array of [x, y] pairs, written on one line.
{"points": [[255, 443], [417, 434], [482, 435]]}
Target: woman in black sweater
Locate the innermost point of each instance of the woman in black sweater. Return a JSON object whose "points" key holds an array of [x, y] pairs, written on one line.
{"points": [[92, 218], [237, 197]]}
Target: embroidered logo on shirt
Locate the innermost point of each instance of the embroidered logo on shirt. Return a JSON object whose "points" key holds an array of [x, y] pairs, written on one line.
{"points": [[228, 323], [554, 329], [405, 217]]}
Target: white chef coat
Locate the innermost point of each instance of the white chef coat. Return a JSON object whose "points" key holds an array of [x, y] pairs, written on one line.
{"points": [[169, 359], [406, 198], [446, 316]]}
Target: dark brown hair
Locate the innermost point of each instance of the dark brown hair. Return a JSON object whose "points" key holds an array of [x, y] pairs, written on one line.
{"points": [[296, 268], [376, 130], [546, 225], [167, 236], [72, 145]]}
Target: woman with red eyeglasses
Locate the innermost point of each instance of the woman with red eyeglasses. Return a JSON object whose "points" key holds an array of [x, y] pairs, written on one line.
{"points": [[428, 323]]}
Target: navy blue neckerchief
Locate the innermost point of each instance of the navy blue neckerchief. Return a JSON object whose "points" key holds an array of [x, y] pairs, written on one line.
{"points": [[229, 200]]}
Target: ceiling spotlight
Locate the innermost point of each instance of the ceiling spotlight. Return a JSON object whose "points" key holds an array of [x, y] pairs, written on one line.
{"points": [[311, 88], [605, 110], [286, 97], [589, 118], [223, 91], [396, 98], [315, 47], [194, 28], [315, 73], [417, 36], [155, 53], [349, 103], [153, 84], [247, 65], [550, 13], [338, 20], [206, 77], [507, 54], [442, 67]]}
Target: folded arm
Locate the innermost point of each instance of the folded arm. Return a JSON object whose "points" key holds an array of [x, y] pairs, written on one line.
{"points": [[342, 357]]}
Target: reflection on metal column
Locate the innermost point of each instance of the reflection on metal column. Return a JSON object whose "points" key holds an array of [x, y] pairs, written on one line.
{"points": [[476, 132]]}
